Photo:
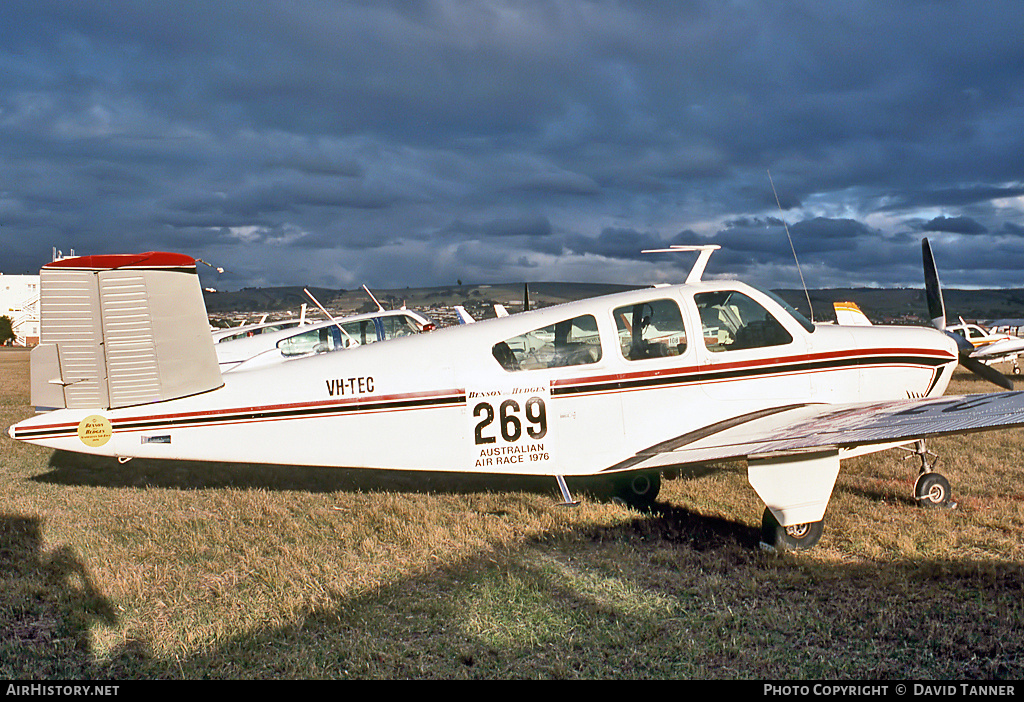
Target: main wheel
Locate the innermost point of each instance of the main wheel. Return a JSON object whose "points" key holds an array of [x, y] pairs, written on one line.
{"points": [[638, 490], [932, 490], [798, 537]]}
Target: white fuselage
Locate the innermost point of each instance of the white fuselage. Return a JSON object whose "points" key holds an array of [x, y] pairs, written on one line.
{"points": [[447, 401]]}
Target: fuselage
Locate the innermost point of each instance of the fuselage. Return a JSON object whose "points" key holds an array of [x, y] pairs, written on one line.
{"points": [[566, 390]]}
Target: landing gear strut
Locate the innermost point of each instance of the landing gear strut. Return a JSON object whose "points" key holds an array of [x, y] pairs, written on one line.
{"points": [[932, 489]]}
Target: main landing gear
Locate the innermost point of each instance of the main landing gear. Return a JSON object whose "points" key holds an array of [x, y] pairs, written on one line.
{"points": [[638, 490], [932, 489], [798, 537]]}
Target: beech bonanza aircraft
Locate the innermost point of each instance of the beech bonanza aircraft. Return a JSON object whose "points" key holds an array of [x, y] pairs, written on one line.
{"points": [[624, 386]]}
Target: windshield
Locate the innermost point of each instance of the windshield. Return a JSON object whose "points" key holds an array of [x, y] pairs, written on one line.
{"points": [[804, 322]]}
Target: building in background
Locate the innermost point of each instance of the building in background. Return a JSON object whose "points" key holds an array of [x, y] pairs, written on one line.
{"points": [[19, 300]]}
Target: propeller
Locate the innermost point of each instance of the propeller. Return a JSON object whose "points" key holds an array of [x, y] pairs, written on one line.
{"points": [[937, 313]]}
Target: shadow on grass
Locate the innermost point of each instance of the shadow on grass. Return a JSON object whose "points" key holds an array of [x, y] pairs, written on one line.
{"points": [[572, 603], [68, 468], [663, 593], [562, 605], [48, 602]]}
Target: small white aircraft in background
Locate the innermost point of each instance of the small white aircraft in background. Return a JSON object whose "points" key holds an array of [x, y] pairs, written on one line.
{"points": [[130, 370], [246, 331], [320, 337], [990, 347]]}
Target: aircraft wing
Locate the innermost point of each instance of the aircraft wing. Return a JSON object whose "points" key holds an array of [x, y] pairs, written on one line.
{"points": [[1005, 347], [803, 429]]}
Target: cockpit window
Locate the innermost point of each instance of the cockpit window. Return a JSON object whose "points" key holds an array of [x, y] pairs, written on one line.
{"points": [[650, 330], [572, 342], [732, 321], [398, 325]]}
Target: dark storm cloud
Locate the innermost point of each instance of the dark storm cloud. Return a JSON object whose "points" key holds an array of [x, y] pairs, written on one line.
{"points": [[412, 143], [954, 225]]}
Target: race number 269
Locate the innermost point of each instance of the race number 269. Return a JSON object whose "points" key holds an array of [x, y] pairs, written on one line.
{"points": [[510, 421]]}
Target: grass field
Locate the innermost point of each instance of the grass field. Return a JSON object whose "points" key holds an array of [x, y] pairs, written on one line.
{"points": [[151, 569]]}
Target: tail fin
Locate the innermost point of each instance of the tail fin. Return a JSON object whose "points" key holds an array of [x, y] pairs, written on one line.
{"points": [[121, 330], [463, 316], [847, 313]]}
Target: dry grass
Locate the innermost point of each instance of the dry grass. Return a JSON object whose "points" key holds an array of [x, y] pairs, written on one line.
{"points": [[182, 571]]}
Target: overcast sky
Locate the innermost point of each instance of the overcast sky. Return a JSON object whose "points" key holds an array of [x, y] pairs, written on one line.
{"points": [[319, 142]]}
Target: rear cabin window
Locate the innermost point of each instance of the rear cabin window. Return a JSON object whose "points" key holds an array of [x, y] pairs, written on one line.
{"points": [[650, 330], [358, 333], [572, 342], [330, 338], [313, 341], [732, 321]]}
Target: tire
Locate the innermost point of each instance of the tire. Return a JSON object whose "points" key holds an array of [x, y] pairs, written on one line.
{"points": [[932, 491], [638, 490], [799, 537]]}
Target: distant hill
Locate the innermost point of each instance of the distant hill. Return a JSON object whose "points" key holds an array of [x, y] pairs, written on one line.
{"points": [[881, 305], [908, 305]]}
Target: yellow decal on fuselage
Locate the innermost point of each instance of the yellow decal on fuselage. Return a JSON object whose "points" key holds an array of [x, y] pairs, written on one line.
{"points": [[94, 430]]}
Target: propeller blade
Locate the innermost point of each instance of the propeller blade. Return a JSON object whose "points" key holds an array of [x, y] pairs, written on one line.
{"points": [[932, 289], [937, 313], [990, 374], [963, 346]]}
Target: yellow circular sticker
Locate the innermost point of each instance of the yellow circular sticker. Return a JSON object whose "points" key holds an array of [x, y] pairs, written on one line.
{"points": [[95, 430]]}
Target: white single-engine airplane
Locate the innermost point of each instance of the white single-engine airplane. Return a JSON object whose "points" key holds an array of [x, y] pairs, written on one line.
{"points": [[991, 347], [624, 386]]}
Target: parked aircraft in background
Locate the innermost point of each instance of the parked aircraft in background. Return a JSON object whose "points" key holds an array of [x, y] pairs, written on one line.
{"points": [[246, 331], [989, 346], [849, 314], [623, 386], [320, 337]]}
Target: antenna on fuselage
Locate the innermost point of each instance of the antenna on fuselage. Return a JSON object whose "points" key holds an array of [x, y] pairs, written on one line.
{"points": [[810, 307]]}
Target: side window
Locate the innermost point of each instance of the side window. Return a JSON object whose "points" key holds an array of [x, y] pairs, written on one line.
{"points": [[398, 325], [359, 333], [650, 330], [572, 342], [313, 341], [732, 321]]}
